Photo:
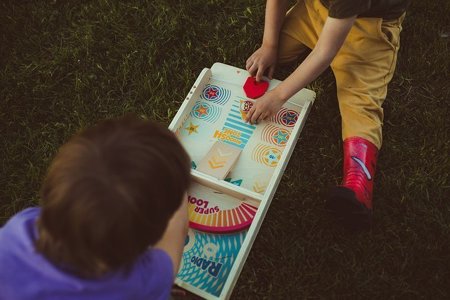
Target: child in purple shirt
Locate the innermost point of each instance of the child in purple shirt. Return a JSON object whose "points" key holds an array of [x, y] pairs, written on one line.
{"points": [[112, 220]]}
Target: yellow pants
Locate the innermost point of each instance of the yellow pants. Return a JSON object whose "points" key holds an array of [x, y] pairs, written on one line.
{"points": [[363, 66]]}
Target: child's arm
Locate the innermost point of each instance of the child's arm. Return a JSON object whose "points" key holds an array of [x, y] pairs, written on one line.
{"points": [[265, 57], [330, 41], [173, 238]]}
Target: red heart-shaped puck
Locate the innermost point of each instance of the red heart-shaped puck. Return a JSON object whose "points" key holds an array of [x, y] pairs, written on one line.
{"points": [[254, 89]]}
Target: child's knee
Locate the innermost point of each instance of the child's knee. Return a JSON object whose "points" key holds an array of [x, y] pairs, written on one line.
{"points": [[289, 49]]}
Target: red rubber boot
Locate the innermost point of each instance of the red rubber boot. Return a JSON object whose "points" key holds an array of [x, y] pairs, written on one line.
{"points": [[351, 202]]}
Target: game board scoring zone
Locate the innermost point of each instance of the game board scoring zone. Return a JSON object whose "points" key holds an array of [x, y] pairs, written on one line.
{"points": [[213, 211]]}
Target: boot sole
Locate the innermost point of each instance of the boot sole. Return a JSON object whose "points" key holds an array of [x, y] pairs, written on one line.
{"points": [[347, 210]]}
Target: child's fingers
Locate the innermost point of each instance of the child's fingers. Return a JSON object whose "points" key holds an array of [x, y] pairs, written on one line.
{"points": [[259, 74], [249, 114], [260, 118], [255, 117], [248, 63], [252, 70], [271, 71]]}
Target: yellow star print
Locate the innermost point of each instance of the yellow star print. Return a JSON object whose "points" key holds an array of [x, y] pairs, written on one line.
{"points": [[192, 128]]}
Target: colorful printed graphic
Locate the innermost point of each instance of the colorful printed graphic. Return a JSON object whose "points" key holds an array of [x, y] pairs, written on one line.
{"points": [[220, 158], [237, 182], [219, 213], [192, 128], [206, 112], [208, 259], [259, 187], [216, 162], [234, 123], [275, 135], [232, 136], [286, 117], [216, 94], [244, 107], [270, 156]]}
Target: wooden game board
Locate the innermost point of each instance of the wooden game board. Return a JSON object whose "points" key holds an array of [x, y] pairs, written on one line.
{"points": [[225, 215]]}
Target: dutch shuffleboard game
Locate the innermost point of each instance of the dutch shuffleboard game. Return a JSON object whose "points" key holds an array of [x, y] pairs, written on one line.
{"points": [[236, 167]]}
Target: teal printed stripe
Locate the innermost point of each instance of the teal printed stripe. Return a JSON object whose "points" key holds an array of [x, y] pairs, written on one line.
{"points": [[234, 116], [239, 122], [239, 117], [234, 122], [240, 128]]}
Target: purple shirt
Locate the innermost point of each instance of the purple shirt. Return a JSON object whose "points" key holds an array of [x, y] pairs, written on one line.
{"points": [[26, 274]]}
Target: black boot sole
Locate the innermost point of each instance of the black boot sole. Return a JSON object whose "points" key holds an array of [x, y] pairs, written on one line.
{"points": [[347, 210]]}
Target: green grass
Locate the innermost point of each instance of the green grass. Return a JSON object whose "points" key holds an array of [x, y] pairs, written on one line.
{"points": [[64, 65]]}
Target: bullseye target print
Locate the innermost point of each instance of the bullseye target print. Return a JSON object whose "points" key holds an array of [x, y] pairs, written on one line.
{"points": [[286, 117], [267, 155], [205, 111], [216, 94], [275, 135]]}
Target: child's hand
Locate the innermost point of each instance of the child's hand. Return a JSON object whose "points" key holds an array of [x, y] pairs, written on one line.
{"points": [[263, 59], [265, 107]]}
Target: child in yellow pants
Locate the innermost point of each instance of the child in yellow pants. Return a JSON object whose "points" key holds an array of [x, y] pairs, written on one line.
{"points": [[360, 40]]}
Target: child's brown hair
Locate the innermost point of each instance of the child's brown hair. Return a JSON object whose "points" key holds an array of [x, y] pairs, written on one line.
{"points": [[109, 194]]}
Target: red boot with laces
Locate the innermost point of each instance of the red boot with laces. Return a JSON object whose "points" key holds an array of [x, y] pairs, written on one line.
{"points": [[351, 202]]}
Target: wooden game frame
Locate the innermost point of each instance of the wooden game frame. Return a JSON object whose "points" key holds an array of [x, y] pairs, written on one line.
{"points": [[303, 99]]}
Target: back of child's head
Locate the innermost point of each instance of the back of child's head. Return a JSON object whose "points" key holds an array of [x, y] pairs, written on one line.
{"points": [[109, 194]]}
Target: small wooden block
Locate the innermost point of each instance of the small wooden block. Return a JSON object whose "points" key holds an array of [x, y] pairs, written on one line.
{"points": [[219, 160]]}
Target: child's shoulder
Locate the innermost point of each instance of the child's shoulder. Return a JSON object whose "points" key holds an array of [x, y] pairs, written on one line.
{"points": [[156, 260], [20, 229], [28, 213], [26, 216], [155, 267]]}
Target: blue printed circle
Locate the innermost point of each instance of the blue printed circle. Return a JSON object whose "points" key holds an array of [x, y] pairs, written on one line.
{"points": [[216, 94], [205, 111]]}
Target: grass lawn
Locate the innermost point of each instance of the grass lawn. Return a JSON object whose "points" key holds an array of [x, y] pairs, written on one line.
{"points": [[64, 65]]}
